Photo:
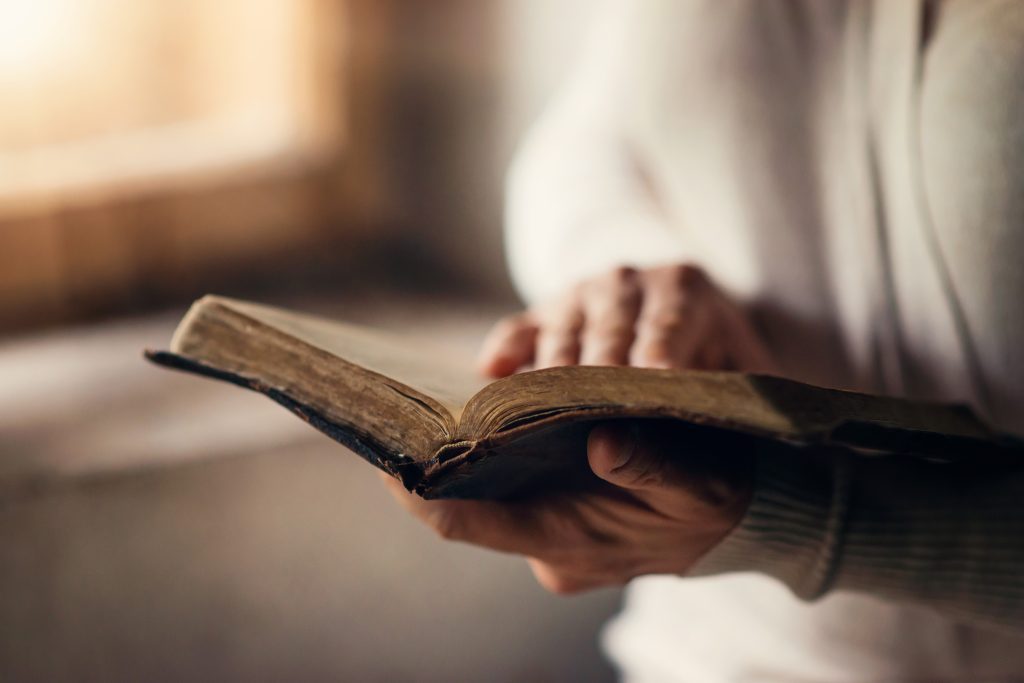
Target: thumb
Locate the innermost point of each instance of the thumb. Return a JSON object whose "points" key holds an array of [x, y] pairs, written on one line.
{"points": [[620, 453], [646, 458]]}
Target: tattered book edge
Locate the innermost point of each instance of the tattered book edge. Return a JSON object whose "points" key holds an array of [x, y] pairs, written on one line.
{"points": [[400, 466]]}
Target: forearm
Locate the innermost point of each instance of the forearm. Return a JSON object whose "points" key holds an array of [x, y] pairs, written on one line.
{"points": [[944, 536]]}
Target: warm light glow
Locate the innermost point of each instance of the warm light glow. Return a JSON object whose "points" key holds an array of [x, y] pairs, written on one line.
{"points": [[33, 35], [109, 92]]}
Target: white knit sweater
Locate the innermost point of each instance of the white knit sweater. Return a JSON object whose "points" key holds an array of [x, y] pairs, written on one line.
{"points": [[853, 171]]}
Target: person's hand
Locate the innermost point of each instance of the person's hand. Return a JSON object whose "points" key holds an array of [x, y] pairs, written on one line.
{"points": [[665, 501], [666, 317], [661, 509]]}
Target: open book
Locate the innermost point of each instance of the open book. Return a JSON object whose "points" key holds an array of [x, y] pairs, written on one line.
{"points": [[445, 432]]}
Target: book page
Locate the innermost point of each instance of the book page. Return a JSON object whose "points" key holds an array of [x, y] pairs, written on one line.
{"points": [[427, 370]]}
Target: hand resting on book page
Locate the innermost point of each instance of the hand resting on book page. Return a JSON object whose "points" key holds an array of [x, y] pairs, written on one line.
{"points": [[666, 503], [666, 317]]}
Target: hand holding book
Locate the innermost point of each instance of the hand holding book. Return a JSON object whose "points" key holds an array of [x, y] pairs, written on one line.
{"points": [[655, 511], [536, 452], [664, 494], [664, 499]]}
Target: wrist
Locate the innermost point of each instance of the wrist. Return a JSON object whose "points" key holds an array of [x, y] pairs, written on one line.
{"points": [[790, 527]]}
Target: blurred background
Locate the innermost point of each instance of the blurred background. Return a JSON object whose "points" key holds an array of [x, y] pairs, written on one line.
{"points": [[337, 156]]}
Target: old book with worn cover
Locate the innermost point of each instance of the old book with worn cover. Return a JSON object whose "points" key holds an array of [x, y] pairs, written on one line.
{"points": [[444, 432]]}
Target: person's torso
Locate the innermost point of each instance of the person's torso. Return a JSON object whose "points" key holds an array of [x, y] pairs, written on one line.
{"points": [[780, 140]]}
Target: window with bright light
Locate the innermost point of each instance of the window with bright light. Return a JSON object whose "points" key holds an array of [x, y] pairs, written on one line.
{"points": [[100, 93], [148, 145]]}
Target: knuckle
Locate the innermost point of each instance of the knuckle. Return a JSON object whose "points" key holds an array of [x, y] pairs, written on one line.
{"points": [[447, 523], [619, 284], [572, 542], [608, 331], [561, 321], [561, 329], [574, 294], [655, 350], [647, 476], [668, 322], [609, 567], [606, 354], [621, 275], [560, 352], [597, 556], [559, 584], [686, 275], [561, 529]]}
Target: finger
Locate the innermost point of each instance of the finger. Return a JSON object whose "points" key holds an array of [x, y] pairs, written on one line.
{"points": [[506, 527], [558, 341], [617, 453], [746, 348], [713, 356], [673, 320], [509, 345], [628, 456], [610, 308], [646, 459], [557, 581]]}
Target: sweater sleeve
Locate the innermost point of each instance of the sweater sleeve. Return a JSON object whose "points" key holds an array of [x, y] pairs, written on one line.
{"points": [[579, 196], [950, 537]]}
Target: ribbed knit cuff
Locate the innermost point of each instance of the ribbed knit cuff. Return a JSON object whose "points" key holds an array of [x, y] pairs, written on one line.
{"points": [[794, 524]]}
